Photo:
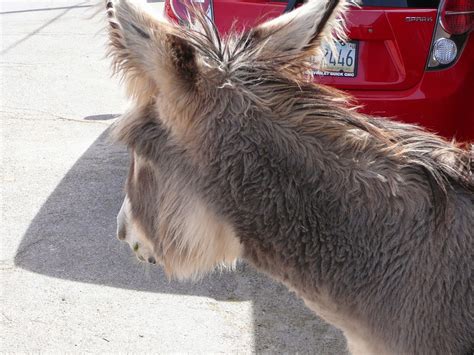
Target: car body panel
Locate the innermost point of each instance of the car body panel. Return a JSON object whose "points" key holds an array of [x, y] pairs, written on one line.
{"points": [[443, 100], [391, 79]]}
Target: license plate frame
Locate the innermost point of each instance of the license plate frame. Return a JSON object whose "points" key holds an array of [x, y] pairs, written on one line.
{"points": [[336, 64]]}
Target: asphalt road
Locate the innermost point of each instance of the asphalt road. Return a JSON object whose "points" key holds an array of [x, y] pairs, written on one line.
{"points": [[67, 284]]}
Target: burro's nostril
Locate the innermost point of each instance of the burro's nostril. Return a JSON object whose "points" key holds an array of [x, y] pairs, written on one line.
{"points": [[121, 233], [152, 260], [122, 220]]}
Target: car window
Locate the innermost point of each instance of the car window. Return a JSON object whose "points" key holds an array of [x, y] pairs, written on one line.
{"points": [[402, 3]]}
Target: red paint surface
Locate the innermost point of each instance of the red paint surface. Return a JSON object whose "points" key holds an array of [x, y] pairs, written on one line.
{"points": [[392, 79]]}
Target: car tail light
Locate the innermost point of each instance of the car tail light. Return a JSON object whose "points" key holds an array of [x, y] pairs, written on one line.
{"points": [[457, 16], [455, 21], [445, 51], [177, 10]]}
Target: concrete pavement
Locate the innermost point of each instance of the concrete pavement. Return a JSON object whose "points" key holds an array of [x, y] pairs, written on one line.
{"points": [[66, 283]]}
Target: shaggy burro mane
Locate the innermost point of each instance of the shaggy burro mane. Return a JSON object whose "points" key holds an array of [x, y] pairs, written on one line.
{"points": [[282, 84], [238, 154], [292, 93]]}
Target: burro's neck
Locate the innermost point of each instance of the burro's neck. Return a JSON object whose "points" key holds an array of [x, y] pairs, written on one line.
{"points": [[301, 201]]}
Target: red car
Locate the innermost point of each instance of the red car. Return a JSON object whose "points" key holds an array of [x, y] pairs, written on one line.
{"points": [[411, 60]]}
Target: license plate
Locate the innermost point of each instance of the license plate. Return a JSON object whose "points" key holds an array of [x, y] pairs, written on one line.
{"points": [[341, 62]]}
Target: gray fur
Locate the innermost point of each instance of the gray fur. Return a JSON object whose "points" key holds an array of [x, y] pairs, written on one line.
{"points": [[370, 221]]}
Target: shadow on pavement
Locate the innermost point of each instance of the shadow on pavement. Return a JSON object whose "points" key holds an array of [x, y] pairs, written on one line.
{"points": [[73, 237], [104, 117]]}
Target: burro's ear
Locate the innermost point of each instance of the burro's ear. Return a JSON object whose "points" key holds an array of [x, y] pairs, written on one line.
{"points": [[147, 52], [304, 29]]}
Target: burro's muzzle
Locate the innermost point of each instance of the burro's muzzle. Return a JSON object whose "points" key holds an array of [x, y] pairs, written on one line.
{"points": [[129, 230], [122, 220]]}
